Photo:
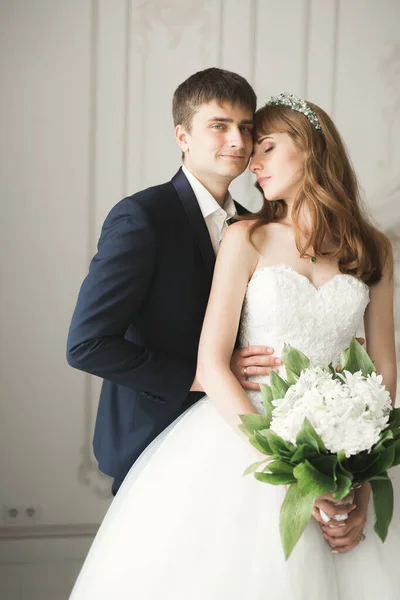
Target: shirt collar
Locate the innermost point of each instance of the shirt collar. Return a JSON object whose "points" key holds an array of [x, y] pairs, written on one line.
{"points": [[207, 203]]}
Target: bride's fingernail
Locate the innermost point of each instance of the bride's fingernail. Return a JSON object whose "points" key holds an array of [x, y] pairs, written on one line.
{"points": [[278, 361], [335, 552]]}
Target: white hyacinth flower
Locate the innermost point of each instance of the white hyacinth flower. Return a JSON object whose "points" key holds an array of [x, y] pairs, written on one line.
{"points": [[348, 411]]}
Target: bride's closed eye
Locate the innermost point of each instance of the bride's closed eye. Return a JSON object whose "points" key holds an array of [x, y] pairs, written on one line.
{"points": [[269, 149]]}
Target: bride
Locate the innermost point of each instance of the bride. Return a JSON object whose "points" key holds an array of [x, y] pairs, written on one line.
{"points": [[306, 269]]}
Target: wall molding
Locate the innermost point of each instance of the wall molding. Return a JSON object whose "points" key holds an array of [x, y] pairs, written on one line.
{"points": [[58, 531]]}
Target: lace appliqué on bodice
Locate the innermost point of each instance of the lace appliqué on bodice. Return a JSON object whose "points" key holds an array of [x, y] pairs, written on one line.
{"points": [[282, 305]]}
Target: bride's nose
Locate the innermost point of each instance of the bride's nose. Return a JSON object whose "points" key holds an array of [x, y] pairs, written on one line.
{"points": [[255, 166]]}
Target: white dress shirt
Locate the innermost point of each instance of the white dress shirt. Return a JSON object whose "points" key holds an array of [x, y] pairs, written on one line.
{"points": [[214, 215]]}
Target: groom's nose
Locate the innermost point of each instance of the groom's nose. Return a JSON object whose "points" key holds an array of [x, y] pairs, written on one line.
{"points": [[236, 138]]}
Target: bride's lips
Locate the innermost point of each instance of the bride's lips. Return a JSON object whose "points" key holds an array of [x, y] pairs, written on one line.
{"points": [[262, 180]]}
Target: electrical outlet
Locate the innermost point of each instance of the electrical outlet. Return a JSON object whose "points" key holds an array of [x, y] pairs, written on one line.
{"points": [[20, 515]]}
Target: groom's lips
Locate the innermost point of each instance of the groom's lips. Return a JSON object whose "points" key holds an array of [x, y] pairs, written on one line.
{"points": [[233, 156]]}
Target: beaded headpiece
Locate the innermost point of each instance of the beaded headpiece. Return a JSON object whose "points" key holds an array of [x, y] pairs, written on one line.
{"points": [[298, 104]]}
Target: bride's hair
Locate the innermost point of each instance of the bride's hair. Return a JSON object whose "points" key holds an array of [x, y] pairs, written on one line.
{"points": [[329, 193]]}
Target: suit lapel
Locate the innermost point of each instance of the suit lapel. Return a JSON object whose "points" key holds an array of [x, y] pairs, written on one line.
{"points": [[196, 220], [241, 210]]}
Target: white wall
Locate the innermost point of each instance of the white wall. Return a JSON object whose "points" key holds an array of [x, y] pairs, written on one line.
{"points": [[86, 118]]}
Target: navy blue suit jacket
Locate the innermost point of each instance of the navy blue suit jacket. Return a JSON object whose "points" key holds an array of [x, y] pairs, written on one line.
{"points": [[138, 318]]}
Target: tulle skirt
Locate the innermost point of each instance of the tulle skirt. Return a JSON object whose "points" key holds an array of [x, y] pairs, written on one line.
{"points": [[186, 525]]}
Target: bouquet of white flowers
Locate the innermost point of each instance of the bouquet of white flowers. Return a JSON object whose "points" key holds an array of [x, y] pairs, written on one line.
{"points": [[325, 430]]}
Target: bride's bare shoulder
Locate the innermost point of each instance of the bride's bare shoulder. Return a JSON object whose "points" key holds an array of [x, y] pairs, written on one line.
{"points": [[245, 225], [239, 231], [238, 243], [246, 229]]}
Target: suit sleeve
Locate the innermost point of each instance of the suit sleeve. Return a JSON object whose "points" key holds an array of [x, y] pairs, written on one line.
{"points": [[118, 281]]}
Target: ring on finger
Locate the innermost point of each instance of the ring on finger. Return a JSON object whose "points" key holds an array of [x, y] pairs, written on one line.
{"points": [[361, 537], [245, 371]]}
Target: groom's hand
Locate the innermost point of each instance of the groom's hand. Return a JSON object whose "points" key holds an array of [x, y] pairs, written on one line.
{"points": [[251, 361]]}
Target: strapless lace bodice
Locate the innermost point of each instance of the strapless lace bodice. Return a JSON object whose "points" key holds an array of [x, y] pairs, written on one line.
{"points": [[282, 305]]}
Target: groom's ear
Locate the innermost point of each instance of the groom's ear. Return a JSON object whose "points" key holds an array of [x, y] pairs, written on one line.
{"points": [[181, 136]]}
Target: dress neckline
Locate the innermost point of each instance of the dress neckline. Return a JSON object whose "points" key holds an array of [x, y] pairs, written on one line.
{"points": [[304, 277]]}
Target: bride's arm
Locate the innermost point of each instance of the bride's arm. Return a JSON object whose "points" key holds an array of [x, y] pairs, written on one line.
{"points": [[379, 328], [237, 260]]}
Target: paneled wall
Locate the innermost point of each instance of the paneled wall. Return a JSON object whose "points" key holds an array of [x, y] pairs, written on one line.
{"points": [[86, 118]]}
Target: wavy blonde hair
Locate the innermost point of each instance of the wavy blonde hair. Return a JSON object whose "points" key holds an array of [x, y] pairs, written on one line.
{"points": [[329, 194]]}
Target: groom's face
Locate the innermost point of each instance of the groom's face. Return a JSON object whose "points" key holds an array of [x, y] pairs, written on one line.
{"points": [[219, 141]]}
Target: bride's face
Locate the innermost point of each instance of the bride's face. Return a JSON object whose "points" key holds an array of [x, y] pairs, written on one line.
{"points": [[278, 165]]}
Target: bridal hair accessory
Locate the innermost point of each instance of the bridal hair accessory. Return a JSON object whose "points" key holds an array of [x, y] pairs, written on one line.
{"points": [[296, 103]]}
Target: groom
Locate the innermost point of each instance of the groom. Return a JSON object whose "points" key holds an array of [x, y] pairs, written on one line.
{"points": [[140, 309]]}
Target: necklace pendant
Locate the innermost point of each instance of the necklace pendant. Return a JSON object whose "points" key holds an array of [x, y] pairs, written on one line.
{"points": [[313, 259]]}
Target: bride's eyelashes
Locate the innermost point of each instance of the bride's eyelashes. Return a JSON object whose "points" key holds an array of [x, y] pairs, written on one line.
{"points": [[269, 149]]}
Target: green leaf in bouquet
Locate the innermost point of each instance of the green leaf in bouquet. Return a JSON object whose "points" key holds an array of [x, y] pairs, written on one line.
{"points": [[277, 444], [302, 452], [355, 358], [386, 437], [294, 360], [326, 463], [394, 419], [261, 443], [343, 486], [266, 394], [396, 460], [295, 514], [243, 429], [382, 464], [275, 478], [291, 377], [279, 466], [360, 462], [307, 435], [311, 481], [343, 359], [343, 466], [331, 369], [343, 476], [254, 467], [279, 386], [252, 423], [382, 491]]}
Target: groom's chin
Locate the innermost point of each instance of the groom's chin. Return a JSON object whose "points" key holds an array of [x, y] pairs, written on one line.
{"points": [[232, 168]]}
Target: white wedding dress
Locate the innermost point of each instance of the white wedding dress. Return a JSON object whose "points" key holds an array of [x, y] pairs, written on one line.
{"points": [[186, 525]]}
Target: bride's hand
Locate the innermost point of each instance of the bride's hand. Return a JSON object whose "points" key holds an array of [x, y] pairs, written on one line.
{"points": [[345, 536], [333, 507]]}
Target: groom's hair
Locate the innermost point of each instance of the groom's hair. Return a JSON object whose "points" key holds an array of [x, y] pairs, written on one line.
{"points": [[210, 85]]}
